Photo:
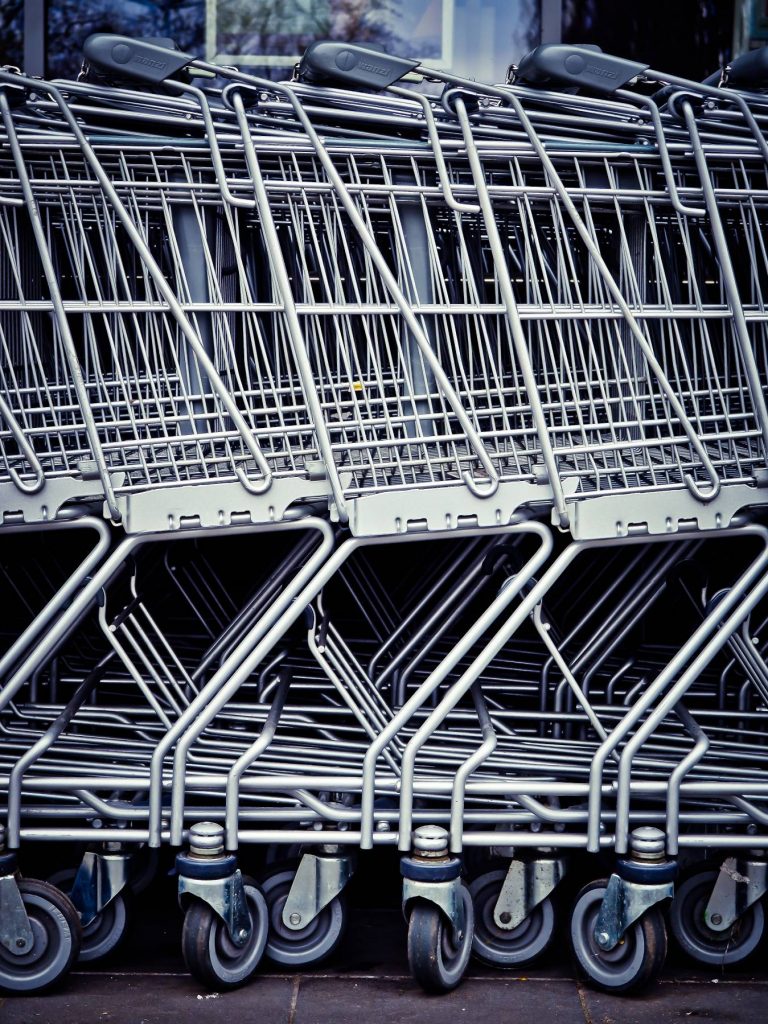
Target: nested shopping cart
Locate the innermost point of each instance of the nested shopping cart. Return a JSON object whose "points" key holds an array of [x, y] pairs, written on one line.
{"points": [[435, 324], [133, 358]]}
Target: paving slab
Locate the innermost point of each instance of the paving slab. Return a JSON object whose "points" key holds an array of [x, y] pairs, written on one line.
{"points": [[677, 1002], [151, 999], [398, 1001]]}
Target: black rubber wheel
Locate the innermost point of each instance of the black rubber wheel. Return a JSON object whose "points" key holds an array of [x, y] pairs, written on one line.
{"points": [[209, 953], [311, 945], [498, 947], [697, 939], [104, 935], [436, 956], [634, 963], [56, 941]]}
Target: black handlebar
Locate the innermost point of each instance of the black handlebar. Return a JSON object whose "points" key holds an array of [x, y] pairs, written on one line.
{"points": [[750, 70], [558, 64], [134, 58], [340, 63]]}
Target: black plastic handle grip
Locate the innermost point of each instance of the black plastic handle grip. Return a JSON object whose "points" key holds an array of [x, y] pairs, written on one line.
{"points": [[750, 70], [352, 65], [556, 63], [134, 58]]}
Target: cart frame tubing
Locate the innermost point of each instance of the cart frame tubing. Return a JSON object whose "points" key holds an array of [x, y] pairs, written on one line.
{"points": [[221, 688], [486, 488], [175, 308], [578, 222], [483, 488], [23, 442], [497, 251], [527, 606], [56, 300], [726, 265], [90, 592], [459, 108]]}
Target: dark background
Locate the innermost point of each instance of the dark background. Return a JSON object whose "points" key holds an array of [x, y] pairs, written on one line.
{"points": [[690, 38]]}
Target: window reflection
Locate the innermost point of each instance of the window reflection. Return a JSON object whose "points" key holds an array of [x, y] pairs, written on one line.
{"points": [[475, 38], [11, 32]]}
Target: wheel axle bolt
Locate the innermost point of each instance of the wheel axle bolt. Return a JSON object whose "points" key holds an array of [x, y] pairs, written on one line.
{"points": [[20, 943], [242, 934], [717, 919], [603, 938], [505, 917], [295, 918]]}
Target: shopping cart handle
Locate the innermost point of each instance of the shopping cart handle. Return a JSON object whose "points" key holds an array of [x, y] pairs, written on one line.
{"points": [[340, 63], [750, 70], [134, 58], [555, 63]]}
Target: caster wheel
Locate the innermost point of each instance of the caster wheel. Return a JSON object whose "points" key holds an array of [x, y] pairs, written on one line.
{"points": [[634, 963], [701, 943], [104, 935], [437, 960], [56, 941], [310, 945], [516, 948], [210, 954]]}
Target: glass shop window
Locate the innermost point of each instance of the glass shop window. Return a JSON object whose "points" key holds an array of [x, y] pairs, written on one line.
{"points": [[12, 32], [474, 38]]}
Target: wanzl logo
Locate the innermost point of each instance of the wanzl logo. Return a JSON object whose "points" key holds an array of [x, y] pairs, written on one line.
{"points": [[377, 69], [160, 64], [602, 72]]}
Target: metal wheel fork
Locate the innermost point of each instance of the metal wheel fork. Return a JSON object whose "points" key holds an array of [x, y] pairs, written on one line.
{"points": [[527, 884], [740, 884], [102, 875], [319, 879], [432, 875], [640, 883], [207, 874]]}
